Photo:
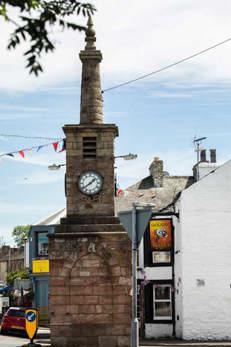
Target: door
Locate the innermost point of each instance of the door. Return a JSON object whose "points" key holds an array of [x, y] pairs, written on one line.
{"points": [[41, 300]]}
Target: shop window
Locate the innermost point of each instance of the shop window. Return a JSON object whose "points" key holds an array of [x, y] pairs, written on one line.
{"points": [[42, 249], [162, 302]]}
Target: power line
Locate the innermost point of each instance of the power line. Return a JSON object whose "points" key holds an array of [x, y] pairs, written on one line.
{"points": [[31, 137], [167, 66]]}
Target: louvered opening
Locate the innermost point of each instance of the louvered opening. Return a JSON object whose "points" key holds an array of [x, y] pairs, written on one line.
{"points": [[89, 147]]}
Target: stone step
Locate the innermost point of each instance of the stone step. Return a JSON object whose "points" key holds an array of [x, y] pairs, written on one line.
{"points": [[90, 220], [75, 228]]}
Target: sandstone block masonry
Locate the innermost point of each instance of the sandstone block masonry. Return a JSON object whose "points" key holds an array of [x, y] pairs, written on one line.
{"points": [[90, 286], [78, 203]]}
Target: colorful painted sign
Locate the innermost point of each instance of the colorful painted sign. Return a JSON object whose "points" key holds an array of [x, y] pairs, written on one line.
{"points": [[40, 265], [31, 323], [161, 234]]}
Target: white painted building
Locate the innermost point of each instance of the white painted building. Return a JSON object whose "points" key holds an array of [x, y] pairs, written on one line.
{"points": [[203, 258], [188, 293]]}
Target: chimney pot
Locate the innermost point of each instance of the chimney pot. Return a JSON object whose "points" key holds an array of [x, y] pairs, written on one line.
{"points": [[157, 172], [203, 155], [213, 156]]}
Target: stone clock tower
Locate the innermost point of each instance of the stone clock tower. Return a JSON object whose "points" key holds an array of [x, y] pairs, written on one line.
{"points": [[90, 259]]}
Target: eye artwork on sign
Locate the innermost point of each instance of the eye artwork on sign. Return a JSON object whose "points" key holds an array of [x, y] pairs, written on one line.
{"points": [[161, 234], [161, 240]]}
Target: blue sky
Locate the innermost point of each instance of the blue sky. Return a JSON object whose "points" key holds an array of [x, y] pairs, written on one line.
{"points": [[158, 116]]}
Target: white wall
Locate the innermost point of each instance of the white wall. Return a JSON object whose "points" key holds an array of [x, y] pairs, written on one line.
{"points": [[205, 218], [155, 331], [178, 277]]}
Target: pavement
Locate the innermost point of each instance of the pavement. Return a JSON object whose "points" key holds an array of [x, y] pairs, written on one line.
{"points": [[183, 343], [43, 339]]}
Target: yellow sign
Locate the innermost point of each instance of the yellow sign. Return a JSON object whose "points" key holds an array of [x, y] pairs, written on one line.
{"points": [[40, 265], [161, 234], [31, 323]]}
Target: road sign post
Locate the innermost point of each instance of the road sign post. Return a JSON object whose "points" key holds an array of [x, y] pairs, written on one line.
{"points": [[135, 223], [31, 324]]}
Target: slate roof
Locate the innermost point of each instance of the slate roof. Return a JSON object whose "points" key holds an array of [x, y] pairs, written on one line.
{"points": [[144, 191]]}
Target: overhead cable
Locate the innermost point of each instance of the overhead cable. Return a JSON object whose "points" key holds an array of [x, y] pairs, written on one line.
{"points": [[167, 66]]}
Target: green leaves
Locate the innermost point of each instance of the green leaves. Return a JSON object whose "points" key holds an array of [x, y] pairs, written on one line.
{"points": [[13, 275], [20, 234], [37, 17]]}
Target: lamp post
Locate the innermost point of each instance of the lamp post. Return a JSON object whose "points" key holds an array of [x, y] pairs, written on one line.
{"points": [[130, 156]]}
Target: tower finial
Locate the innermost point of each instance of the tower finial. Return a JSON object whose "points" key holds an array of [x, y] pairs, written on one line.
{"points": [[91, 108], [90, 35]]}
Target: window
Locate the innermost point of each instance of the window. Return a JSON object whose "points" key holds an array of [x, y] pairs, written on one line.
{"points": [[16, 313], [162, 302], [42, 244]]}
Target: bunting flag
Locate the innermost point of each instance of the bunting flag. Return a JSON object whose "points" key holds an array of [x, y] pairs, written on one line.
{"points": [[21, 152], [39, 147], [63, 146], [55, 145]]}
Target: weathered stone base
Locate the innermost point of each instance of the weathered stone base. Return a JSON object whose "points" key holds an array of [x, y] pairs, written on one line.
{"points": [[90, 284]]}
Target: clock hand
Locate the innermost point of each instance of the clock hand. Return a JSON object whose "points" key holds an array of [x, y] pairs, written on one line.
{"points": [[93, 180]]}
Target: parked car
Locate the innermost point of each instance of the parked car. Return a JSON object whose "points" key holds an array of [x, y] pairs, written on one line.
{"points": [[4, 288], [14, 321]]}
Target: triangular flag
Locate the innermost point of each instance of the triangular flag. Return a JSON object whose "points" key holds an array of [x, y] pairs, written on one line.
{"points": [[21, 153], [39, 147], [55, 145], [10, 154], [63, 146]]}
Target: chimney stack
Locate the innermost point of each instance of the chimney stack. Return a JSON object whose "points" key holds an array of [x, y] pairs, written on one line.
{"points": [[213, 156], [156, 171], [203, 156]]}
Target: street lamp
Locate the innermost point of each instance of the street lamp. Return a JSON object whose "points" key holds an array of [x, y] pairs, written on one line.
{"points": [[55, 167], [130, 156]]}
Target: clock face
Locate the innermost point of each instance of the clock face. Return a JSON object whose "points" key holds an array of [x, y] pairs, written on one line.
{"points": [[90, 182]]}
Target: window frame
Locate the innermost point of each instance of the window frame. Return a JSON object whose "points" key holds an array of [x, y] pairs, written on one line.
{"points": [[37, 244], [149, 303], [157, 318]]}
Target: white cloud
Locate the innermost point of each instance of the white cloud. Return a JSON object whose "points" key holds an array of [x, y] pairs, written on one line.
{"points": [[22, 108], [135, 39], [170, 94]]}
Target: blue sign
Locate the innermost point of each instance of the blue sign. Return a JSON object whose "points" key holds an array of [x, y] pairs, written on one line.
{"points": [[31, 316]]}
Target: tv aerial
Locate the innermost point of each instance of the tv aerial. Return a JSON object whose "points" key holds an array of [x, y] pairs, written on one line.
{"points": [[197, 143]]}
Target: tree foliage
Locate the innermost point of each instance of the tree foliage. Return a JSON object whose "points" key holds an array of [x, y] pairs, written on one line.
{"points": [[36, 18], [21, 274], [20, 234]]}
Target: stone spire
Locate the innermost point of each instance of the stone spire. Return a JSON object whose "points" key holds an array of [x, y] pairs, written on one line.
{"points": [[91, 108]]}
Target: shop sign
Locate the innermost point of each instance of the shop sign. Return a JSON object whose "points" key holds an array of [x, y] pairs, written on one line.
{"points": [[40, 265], [161, 234]]}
